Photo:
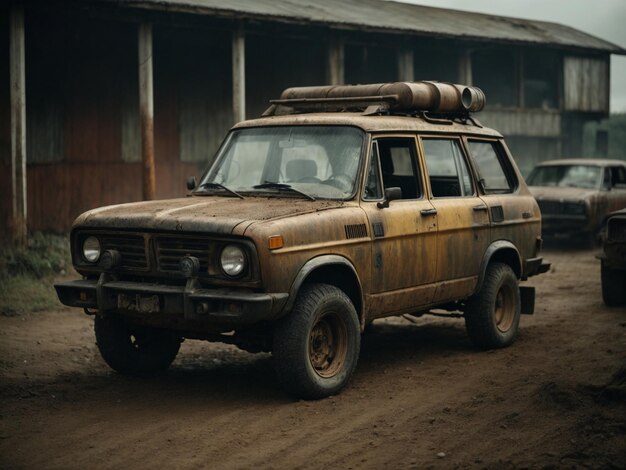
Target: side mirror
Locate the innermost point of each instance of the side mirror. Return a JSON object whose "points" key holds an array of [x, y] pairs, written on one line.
{"points": [[391, 194], [191, 183]]}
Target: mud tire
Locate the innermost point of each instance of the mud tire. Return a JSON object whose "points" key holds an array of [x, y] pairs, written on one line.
{"points": [[492, 315], [134, 349], [316, 346], [613, 286]]}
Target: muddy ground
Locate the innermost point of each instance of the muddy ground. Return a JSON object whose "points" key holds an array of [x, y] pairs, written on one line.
{"points": [[421, 397]]}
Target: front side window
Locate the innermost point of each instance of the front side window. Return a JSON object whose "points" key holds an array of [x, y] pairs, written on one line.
{"points": [[447, 168], [495, 176], [316, 161], [396, 159], [618, 177], [574, 176]]}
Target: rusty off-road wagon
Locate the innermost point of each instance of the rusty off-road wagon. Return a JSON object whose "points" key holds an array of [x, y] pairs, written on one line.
{"points": [[340, 205]]}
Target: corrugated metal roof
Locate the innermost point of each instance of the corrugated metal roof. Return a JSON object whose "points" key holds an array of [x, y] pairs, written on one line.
{"points": [[392, 17]]}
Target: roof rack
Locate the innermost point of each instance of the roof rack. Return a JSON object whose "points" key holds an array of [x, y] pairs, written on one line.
{"points": [[443, 99]]}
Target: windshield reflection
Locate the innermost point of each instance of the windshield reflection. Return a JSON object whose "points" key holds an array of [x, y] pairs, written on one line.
{"points": [[309, 161], [573, 176]]}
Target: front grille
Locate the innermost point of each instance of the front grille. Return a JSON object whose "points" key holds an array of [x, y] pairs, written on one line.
{"points": [[617, 230], [566, 208], [170, 250], [550, 207], [131, 247]]}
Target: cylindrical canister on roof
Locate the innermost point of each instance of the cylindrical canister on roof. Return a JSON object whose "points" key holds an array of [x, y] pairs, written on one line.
{"points": [[409, 96]]}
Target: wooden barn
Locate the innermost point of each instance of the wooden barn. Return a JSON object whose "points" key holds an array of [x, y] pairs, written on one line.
{"points": [[108, 101]]}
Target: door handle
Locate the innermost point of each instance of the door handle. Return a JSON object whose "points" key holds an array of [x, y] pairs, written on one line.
{"points": [[480, 208], [428, 212]]}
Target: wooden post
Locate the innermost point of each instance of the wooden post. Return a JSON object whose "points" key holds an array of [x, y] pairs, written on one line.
{"points": [[521, 97], [239, 74], [335, 71], [146, 109], [18, 227], [465, 67], [406, 72]]}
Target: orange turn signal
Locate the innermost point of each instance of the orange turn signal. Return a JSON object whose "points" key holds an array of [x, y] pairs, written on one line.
{"points": [[275, 241]]}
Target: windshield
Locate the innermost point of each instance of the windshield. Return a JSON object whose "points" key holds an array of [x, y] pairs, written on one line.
{"points": [[574, 176], [303, 161]]}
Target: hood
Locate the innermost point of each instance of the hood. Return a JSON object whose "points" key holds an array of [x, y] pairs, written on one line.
{"points": [[562, 193], [209, 214]]}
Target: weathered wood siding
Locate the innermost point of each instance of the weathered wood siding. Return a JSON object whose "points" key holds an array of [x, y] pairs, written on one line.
{"points": [[586, 84], [528, 151], [82, 108], [274, 63], [527, 122], [194, 66]]}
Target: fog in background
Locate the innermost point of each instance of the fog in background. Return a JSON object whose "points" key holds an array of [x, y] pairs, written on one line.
{"points": [[605, 19]]}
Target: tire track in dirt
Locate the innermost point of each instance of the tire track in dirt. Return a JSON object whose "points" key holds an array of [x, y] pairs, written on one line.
{"points": [[419, 390]]}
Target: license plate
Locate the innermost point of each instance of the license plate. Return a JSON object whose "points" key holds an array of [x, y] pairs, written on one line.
{"points": [[138, 303]]}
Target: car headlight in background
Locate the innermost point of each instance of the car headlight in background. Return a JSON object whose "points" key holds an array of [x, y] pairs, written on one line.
{"points": [[233, 260], [91, 249]]}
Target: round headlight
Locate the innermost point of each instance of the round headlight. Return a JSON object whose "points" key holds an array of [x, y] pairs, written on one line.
{"points": [[91, 249], [233, 260]]}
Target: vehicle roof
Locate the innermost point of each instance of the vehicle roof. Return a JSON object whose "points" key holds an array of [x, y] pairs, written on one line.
{"points": [[371, 123], [583, 161]]}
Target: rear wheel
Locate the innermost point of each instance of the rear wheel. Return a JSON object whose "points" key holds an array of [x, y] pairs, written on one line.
{"points": [[316, 346], [134, 349], [613, 286], [492, 315]]}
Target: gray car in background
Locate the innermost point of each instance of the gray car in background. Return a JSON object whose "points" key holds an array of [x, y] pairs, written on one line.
{"points": [[576, 195]]}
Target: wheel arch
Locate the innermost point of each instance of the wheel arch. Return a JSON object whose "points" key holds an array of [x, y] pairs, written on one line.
{"points": [[502, 251], [334, 270]]}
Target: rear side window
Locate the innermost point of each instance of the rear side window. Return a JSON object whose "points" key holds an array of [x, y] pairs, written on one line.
{"points": [[447, 168], [496, 175], [618, 177]]}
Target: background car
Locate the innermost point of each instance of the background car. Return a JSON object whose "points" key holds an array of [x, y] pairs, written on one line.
{"points": [[576, 195]]}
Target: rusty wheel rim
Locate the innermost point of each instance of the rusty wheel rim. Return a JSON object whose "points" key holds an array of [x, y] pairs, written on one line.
{"points": [[328, 345], [504, 309]]}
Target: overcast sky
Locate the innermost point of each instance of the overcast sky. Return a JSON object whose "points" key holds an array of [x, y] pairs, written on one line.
{"points": [[605, 19]]}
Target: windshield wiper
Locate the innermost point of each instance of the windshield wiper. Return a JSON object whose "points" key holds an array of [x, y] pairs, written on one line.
{"points": [[211, 185], [281, 187]]}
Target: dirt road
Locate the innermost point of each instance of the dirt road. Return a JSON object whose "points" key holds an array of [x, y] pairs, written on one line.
{"points": [[421, 397]]}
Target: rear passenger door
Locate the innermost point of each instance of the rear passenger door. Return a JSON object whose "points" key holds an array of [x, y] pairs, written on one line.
{"points": [[512, 213], [462, 217]]}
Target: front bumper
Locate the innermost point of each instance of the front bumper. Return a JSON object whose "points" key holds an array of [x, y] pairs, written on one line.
{"points": [[564, 225], [191, 302], [614, 256]]}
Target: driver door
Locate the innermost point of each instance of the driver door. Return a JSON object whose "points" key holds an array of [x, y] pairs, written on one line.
{"points": [[404, 231]]}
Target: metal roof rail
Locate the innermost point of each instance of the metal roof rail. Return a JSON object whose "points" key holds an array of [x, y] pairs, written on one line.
{"points": [[375, 104]]}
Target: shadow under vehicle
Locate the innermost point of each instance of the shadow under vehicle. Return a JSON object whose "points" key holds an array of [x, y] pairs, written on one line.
{"points": [[342, 204], [576, 195]]}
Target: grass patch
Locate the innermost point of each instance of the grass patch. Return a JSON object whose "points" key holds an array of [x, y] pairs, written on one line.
{"points": [[27, 273]]}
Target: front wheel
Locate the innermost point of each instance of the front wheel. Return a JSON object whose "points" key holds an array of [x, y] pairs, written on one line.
{"points": [[316, 346], [492, 315], [134, 349]]}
